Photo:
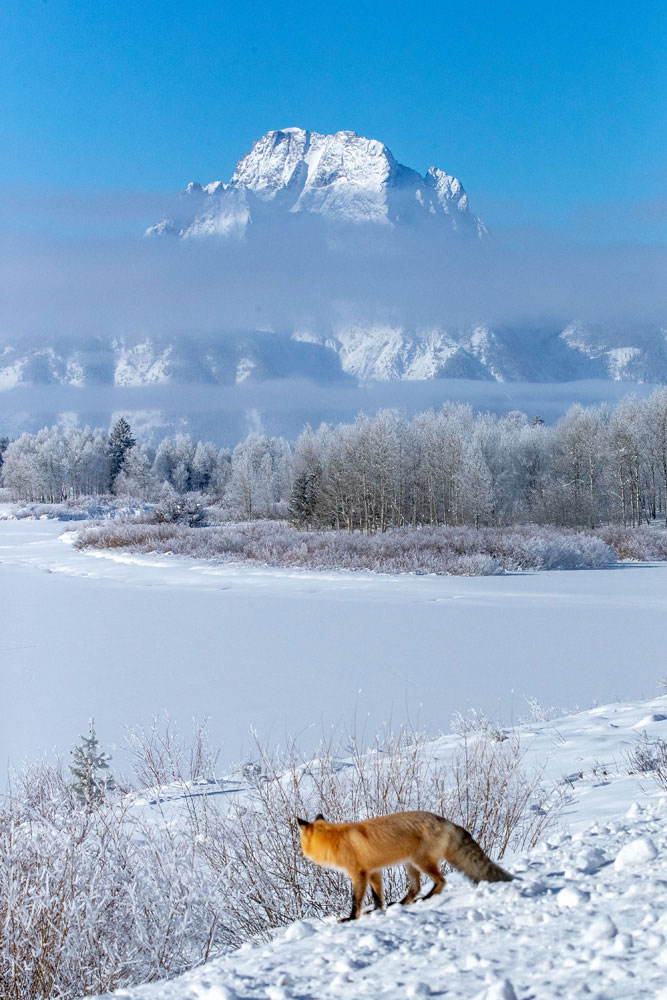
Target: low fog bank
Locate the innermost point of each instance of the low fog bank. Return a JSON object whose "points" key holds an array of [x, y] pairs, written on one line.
{"points": [[226, 415], [73, 266]]}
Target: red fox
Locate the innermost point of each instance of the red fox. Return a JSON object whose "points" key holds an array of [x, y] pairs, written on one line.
{"points": [[418, 840]]}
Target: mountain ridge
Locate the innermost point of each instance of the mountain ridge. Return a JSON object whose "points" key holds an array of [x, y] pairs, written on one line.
{"points": [[337, 264], [342, 177], [349, 352]]}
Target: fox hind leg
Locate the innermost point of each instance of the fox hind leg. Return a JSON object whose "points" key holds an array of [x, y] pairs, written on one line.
{"points": [[432, 869], [415, 884]]}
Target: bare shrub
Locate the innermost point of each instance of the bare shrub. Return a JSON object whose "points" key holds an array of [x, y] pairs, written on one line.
{"points": [[488, 791], [542, 713], [484, 786], [443, 550], [159, 755], [93, 901], [649, 757], [475, 721], [636, 544]]}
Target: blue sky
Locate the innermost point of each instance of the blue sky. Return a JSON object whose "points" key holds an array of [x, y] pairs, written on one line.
{"points": [[552, 114]]}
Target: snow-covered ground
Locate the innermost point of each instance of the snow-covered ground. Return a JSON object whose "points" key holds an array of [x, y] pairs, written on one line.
{"points": [[585, 917], [123, 637]]}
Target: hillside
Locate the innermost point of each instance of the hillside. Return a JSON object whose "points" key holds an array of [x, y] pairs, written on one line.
{"points": [[584, 915]]}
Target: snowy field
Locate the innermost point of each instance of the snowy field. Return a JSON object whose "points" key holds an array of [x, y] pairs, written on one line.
{"points": [[125, 637], [584, 918]]}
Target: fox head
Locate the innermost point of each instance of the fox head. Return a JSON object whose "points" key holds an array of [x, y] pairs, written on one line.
{"points": [[307, 831]]}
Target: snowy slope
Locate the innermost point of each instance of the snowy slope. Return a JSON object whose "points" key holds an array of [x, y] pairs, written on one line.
{"points": [[343, 177], [585, 915]]}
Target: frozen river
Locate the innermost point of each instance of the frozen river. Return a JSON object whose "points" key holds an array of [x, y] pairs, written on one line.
{"points": [[125, 638]]}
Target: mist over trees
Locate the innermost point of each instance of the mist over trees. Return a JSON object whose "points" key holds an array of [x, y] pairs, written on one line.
{"points": [[446, 467]]}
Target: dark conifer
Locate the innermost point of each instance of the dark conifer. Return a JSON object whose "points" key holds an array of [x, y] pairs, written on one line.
{"points": [[120, 442]]}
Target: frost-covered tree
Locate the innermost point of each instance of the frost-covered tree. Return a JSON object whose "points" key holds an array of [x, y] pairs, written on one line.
{"points": [[450, 466], [174, 462], [259, 475], [204, 463], [90, 768], [120, 442], [136, 478], [656, 421]]}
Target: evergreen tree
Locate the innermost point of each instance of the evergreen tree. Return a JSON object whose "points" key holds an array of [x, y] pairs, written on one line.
{"points": [[120, 442], [89, 767], [303, 499]]}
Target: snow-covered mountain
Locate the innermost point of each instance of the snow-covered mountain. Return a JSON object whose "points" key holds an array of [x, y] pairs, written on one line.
{"points": [[342, 177], [316, 236], [342, 352]]}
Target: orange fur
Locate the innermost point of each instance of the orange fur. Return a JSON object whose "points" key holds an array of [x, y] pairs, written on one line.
{"points": [[419, 840]]}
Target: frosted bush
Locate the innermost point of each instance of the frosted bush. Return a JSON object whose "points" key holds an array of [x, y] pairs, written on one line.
{"points": [[649, 757], [542, 713], [177, 508], [93, 901], [455, 551], [476, 564], [636, 544]]}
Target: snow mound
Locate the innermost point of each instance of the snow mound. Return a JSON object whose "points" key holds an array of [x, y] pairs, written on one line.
{"points": [[602, 929], [636, 853], [649, 720], [502, 990], [571, 896]]}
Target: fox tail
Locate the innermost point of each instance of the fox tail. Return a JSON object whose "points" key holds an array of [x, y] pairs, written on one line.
{"points": [[468, 857]]}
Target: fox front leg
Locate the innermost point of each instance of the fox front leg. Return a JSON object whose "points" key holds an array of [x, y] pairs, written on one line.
{"points": [[359, 884], [376, 890]]}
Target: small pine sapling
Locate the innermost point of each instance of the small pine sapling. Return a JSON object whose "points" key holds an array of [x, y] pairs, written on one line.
{"points": [[89, 766]]}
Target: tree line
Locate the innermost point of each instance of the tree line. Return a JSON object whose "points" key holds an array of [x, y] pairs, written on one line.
{"points": [[450, 466]]}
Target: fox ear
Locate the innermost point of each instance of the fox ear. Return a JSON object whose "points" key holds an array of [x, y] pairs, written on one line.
{"points": [[319, 816], [302, 822]]}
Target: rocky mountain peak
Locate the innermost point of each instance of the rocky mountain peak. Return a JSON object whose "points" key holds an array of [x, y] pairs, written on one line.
{"points": [[343, 177]]}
